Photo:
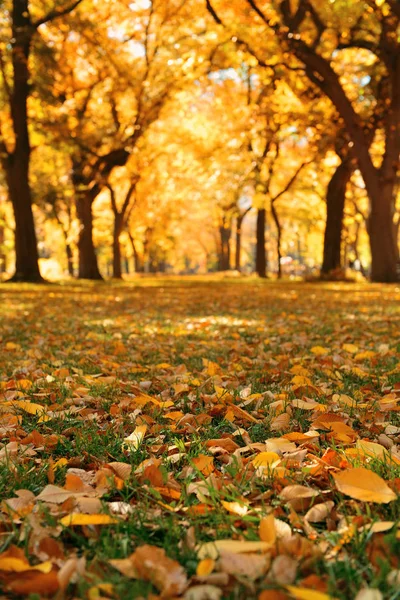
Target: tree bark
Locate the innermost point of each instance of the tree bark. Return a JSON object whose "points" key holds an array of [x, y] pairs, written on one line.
{"points": [[238, 248], [17, 162], [224, 259], [136, 258], [335, 202], [261, 261], [278, 226], [88, 267], [70, 259], [384, 249], [118, 223]]}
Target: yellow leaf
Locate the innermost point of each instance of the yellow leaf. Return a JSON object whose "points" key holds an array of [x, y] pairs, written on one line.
{"points": [[362, 484], [213, 549], [133, 441], [365, 355], [299, 370], [31, 408], [84, 519], [301, 380], [95, 592], [267, 530], [307, 593], [229, 415], [319, 350], [266, 459], [351, 348], [235, 507], [205, 567], [60, 463], [243, 414], [144, 399], [375, 450], [24, 384], [18, 565]]}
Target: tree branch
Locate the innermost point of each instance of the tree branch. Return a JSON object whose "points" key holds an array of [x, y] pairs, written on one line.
{"points": [[291, 181], [213, 12], [55, 14]]}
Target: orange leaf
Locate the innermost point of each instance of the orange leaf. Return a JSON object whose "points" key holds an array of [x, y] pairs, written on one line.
{"points": [[362, 484]]}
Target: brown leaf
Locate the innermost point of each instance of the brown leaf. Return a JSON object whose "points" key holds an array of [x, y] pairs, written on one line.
{"points": [[319, 512], [45, 584], [298, 496], [252, 566], [167, 575]]}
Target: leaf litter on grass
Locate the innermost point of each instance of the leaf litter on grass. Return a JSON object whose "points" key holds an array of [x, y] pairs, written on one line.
{"points": [[200, 439]]}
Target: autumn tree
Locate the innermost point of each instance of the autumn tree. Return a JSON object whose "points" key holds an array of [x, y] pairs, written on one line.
{"points": [[23, 19], [316, 34]]}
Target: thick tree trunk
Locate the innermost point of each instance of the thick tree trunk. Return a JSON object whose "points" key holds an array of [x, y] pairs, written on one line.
{"points": [[384, 249], [379, 182], [224, 259], [335, 202], [17, 170], [117, 270], [278, 226], [261, 260], [26, 254], [88, 267]]}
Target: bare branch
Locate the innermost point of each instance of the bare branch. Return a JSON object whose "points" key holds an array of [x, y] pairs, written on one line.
{"points": [[55, 14], [128, 196], [291, 181], [112, 198], [213, 12]]}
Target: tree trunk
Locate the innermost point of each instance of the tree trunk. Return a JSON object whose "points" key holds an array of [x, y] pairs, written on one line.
{"points": [[17, 171], [224, 259], [261, 261], [136, 258], [379, 182], [88, 267], [70, 259], [278, 226], [127, 265], [238, 247], [384, 249], [335, 201], [117, 270]]}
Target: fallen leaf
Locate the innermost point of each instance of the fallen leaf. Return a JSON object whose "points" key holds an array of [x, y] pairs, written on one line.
{"points": [[133, 441], [167, 575], [362, 484], [87, 519], [307, 594], [205, 567], [214, 549]]}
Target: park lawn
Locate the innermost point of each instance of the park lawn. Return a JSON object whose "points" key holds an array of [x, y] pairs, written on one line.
{"points": [[163, 414]]}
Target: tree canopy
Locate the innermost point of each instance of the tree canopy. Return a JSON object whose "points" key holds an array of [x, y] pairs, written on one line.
{"points": [[188, 136]]}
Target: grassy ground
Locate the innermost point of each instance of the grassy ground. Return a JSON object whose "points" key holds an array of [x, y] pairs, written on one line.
{"points": [[204, 375]]}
